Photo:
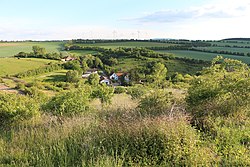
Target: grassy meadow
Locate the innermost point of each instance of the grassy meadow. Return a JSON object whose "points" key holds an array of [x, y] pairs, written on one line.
{"points": [[203, 55], [10, 66], [9, 49]]}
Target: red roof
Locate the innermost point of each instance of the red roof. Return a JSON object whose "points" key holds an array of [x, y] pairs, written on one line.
{"points": [[119, 74]]}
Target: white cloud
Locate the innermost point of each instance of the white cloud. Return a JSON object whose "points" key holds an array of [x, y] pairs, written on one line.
{"points": [[215, 10]]}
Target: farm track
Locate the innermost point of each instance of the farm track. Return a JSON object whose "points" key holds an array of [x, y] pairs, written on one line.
{"points": [[4, 88]]}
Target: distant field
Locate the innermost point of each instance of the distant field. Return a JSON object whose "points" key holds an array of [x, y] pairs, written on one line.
{"points": [[203, 55], [231, 43], [81, 52], [241, 50], [11, 48], [13, 65], [128, 44]]}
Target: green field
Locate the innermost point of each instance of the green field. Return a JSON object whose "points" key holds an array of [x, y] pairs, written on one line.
{"points": [[81, 52], [55, 76], [128, 44], [203, 55], [231, 49], [12, 66], [8, 49], [231, 43]]}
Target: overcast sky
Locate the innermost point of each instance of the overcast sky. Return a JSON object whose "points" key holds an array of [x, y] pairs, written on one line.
{"points": [[144, 19]]}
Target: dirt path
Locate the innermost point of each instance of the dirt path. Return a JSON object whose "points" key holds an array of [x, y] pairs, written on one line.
{"points": [[4, 88]]}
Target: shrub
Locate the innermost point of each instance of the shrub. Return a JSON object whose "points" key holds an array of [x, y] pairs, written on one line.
{"points": [[15, 108], [94, 79], [69, 103], [136, 92], [119, 90], [72, 76], [156, 102]]}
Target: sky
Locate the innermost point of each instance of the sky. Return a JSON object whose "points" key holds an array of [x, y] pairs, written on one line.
{"points": [[124, 19]]}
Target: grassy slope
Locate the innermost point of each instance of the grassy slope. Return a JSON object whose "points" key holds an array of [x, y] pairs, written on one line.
{"points": [[203, 55], [10, 49], [55, 76], [13, 65]]}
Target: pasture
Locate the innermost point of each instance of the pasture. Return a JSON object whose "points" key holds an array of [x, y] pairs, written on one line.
{"points": [[10, 66], [203, 55], [9, 49]]}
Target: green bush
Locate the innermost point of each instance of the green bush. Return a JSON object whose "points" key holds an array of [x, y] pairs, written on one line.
{"points": [[16, 108], [136, 92], [119, 90], [156, 102], [69, 103]]}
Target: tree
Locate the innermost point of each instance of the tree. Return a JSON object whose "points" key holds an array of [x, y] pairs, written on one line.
{"points": [[94, 79], [38, 50], [73, 65], [72, 76], [104, 93], [85, 66], [98, 62], [158, 74]]}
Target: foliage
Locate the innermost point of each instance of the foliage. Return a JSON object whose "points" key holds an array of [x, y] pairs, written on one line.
{"points": [[158, 74], [94, 79], [223, 89], [120, 89], [104, 93], [72, 76], [69, 103], [73, 65], [156, 102], [16, 108], [136, 92]]}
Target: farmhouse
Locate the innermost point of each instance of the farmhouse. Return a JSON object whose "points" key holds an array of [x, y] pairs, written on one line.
{"points": [[116, 76], [68, 58]]}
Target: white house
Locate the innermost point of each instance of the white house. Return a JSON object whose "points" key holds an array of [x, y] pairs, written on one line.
{"points": [[115, 76]]}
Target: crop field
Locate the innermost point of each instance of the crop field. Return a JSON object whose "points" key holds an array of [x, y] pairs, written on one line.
{"points": [[12, 66], [231, 43], [231, 49], [128, 44], [11, 48], [203, 55]]}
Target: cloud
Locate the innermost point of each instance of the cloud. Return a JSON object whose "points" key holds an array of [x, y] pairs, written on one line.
{"points": [[219, 10]]}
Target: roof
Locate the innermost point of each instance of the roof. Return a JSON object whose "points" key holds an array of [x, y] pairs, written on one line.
{"points": [[119, 74]]}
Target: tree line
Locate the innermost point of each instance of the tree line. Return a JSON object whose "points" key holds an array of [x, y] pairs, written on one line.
{"points": [[39, 52]]}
